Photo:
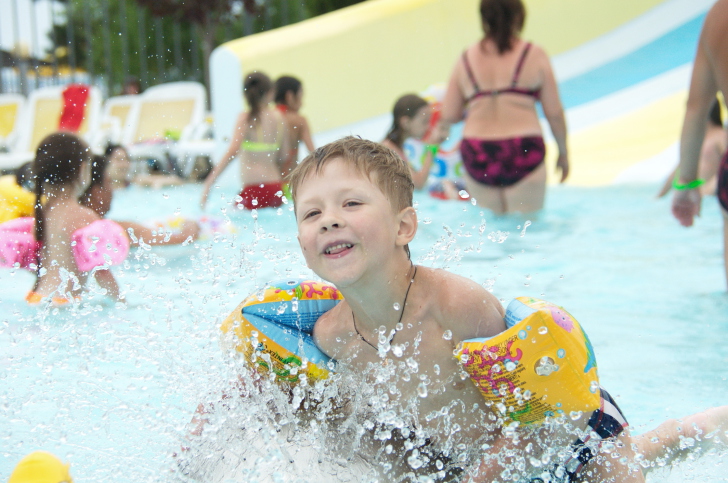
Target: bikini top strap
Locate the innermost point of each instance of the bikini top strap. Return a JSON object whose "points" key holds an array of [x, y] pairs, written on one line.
{"points": [[519, 66], [469, 70]]}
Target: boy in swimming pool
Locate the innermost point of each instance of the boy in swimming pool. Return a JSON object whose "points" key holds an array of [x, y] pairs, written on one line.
{"points": [[399, 324]]}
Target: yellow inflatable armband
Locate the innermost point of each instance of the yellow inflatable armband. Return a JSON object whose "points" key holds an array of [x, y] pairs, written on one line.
{"points": [[272, 328], [543, 365], [15, 201]]}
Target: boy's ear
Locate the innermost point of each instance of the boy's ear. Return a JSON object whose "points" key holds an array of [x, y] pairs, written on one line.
{"points": [[407, 226]]}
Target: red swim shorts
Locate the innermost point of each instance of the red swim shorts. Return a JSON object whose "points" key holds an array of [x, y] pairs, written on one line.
{"points": [[264, 195]]}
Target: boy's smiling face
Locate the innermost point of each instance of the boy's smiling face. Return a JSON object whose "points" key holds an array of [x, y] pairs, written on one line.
{"points": [[346, 225]]}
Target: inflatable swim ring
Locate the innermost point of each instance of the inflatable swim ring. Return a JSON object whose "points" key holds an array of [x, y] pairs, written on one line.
{"points": [[209, 225], [543, 365], [272, 328]]}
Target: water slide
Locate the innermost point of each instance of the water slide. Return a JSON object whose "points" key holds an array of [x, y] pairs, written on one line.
{"points": [[623, 68]]}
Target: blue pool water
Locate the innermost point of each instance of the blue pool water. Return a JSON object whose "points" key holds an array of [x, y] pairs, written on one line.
{"points": [[112, 389]]}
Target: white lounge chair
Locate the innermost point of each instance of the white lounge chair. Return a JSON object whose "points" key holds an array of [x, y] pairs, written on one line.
{"points": [[115, 117], [40, 117], [11, 107], [162, 116]]}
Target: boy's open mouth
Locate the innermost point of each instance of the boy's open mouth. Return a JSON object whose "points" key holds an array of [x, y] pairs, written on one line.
{"points": [[337, 249]]}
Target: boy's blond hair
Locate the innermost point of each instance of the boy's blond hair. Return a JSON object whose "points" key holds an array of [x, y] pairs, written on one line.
{"points": [[380, 164]]}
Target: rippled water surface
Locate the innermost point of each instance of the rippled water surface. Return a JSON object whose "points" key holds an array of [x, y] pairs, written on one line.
{"points": [[112, 388]]}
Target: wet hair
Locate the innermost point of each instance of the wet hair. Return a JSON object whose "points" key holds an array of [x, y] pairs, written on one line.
{"points": [[24, 176], [406, 106], [502, 20], [256, 87], [284, 85], [98, 173], [715, 116], [58, 162], [378, 163]]}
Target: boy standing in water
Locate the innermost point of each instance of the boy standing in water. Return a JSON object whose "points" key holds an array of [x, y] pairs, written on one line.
{"points": [[398, 327]]}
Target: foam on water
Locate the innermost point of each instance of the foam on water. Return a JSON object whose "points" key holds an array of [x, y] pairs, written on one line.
{"points": [[112, 389]]}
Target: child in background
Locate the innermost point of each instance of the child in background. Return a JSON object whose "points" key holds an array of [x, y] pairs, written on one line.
{"points": [[289, 99], [353, 206], [67, 242], [260, 134], [98, 197], [119, 168], [411, 118]]}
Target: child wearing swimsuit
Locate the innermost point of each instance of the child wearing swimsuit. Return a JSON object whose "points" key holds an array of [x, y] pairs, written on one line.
{"points": [[65, 241], [260, 136]]}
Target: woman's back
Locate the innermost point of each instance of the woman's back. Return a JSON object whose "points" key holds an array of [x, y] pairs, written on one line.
{"points": [[499, 91]]}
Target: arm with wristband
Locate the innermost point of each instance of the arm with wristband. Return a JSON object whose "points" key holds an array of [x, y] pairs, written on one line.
{"points": [[703, 87]]}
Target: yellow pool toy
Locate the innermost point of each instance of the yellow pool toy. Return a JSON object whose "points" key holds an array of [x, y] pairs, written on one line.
{"points": [[41, 467], [272, 328], [542, 366]]}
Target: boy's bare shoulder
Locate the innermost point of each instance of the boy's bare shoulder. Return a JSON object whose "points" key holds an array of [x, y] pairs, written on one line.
{"points": [[462, 305], [326, 328]]}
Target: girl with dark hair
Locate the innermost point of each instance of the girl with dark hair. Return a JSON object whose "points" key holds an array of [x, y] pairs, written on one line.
{"points": [[411, 119], [289, 100], [66, 242], [260, 134], [495, 86]]}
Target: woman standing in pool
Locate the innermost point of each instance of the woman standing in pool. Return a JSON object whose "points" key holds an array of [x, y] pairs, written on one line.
{"points": [[710, 75], [495, 86], [260, 134]]}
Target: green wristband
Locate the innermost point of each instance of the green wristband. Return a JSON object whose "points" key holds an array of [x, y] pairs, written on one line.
{"points": [[432, 148], [687, 186]]}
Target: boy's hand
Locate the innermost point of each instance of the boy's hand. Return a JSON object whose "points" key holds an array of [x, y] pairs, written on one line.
{"points": [[686, 206]]}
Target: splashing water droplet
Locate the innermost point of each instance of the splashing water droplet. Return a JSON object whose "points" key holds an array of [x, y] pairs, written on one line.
{"points": [[543, 330], [396, 306], [422, 390], [447, 335], [398, 350]]}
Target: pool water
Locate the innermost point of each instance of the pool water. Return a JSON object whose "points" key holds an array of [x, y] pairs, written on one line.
{"points": [[112, 388]]}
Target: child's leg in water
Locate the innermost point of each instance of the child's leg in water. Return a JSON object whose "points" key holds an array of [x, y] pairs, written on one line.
{"points": [[676, 438]]}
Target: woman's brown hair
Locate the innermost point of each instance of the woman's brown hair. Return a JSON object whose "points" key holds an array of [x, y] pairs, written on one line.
{"points": [[502, 21]]}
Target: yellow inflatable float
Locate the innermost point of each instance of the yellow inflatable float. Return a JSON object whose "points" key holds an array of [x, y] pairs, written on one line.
{"points": [[542, 366], [272, 328]]}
